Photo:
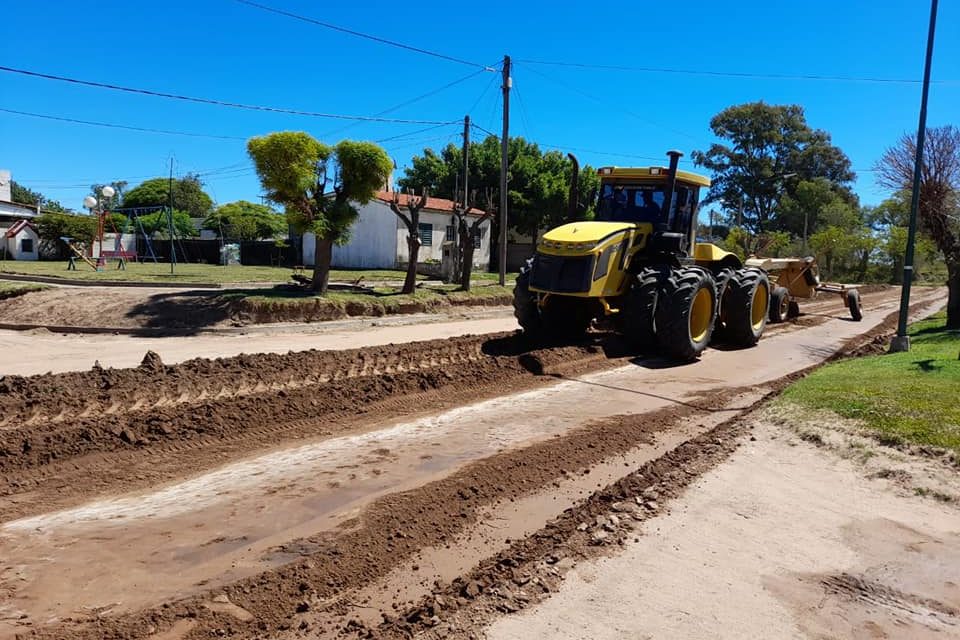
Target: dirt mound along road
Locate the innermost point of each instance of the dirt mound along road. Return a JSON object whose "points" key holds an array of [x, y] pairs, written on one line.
{"points": [[332, 561]]}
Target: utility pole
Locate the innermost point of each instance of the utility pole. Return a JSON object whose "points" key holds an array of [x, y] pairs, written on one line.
{"points": [[466, 162], [173, 253], [504, 142], [901, 342]]}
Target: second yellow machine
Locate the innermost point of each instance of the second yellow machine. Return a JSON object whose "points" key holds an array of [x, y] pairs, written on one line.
{"points": [[639, 264]]}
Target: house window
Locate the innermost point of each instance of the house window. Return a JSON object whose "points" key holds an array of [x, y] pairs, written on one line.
{"points": [[450, 233], [426, 234], [26, 245], [477, 236]]}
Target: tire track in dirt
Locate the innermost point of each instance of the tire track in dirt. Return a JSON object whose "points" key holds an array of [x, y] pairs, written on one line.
{"points": [[49, 465]]}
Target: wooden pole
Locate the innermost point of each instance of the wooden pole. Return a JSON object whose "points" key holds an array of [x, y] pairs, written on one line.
{"points": [[504, 147]]}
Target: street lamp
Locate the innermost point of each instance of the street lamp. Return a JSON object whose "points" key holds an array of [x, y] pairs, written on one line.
{"points": [[95, 205], [901, 341]]}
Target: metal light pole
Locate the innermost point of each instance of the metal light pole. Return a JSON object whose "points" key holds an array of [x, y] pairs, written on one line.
{"points": [[901, 341], [95, 204]]}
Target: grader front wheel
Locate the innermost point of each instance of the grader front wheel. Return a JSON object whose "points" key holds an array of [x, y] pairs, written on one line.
{"points": [[685, 314]]}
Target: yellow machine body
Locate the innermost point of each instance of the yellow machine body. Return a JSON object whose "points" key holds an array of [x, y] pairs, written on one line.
{"points": [[592, 259]]}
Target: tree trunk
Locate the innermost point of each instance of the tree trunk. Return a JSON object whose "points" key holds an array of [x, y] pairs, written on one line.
{"points": [[863, 267], [953, 299], [321, 265], [467, 264], [413, 251], [533, 241]]}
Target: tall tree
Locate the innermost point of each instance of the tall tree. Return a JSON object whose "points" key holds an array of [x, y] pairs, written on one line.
{"points": [[538, 182], [294, 171], [468, 235], [245, 220], [411, 220], [188, 195], [24, 195], [768, 143], [939, 196]]}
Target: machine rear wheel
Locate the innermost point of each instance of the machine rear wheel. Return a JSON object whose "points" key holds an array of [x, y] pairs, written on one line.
{"points": [[747, 307], [685, 313], [853, 303], [722, 278], [779, 304], [639, 309], [525, 306]]}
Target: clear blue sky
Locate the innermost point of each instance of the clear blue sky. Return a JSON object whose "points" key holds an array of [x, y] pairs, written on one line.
{"points": [[225, 50]]}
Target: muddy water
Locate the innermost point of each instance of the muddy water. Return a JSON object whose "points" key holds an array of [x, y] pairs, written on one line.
{"points": [[130, 551]]}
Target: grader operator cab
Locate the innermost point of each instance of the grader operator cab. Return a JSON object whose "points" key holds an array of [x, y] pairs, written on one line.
{"points": [[639, 265]]}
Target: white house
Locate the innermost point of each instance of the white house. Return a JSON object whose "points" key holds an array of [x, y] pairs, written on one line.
{"points": [[22, 241], [12, 212], [378, 239]]}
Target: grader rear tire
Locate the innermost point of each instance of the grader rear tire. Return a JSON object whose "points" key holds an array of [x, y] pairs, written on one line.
{"points": [[722, 278], [779, 304], [638, 324], [854, 305], [747, 307], [685, 314]]}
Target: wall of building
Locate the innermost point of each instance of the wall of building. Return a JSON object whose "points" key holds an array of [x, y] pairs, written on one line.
{"points": [[5, 186], [16, 245], [372, 241], [442, 226]]}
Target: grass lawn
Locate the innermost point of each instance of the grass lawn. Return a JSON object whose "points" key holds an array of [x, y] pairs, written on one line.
{"points": [[911, 397], [202, 273], [13, 289]]}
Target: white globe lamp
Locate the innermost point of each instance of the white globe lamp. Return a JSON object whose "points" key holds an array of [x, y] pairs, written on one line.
{"points": [[89, 202]]}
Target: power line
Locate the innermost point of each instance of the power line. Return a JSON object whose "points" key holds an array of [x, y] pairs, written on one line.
{"points": [[612, 105], [410, 133], [119, 126], [219, 103], [366, 36], [406, 103], [729, 74]]}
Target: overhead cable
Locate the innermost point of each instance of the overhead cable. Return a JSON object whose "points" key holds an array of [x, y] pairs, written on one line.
{"points": [[366, 36], [212, 101]]}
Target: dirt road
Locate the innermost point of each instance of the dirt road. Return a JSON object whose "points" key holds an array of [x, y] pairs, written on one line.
{"points": [[781, 541], [36, 352], [323, 493]]}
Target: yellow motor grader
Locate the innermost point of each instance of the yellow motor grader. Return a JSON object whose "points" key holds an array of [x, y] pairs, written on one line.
{"points": [[639, 265]]}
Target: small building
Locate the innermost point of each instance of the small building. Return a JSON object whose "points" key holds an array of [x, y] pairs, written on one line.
{"points": [[12, 212], [22, 241], [378, 239]]}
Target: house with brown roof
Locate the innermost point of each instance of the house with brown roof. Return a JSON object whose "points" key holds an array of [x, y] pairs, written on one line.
{"points": [[22, 241], [378, 239]]}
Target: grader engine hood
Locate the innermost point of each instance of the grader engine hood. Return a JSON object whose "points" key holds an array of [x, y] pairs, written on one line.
{"points": [[578, 238], [585, 259]]}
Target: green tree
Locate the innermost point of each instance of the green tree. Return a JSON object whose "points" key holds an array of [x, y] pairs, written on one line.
{"points": [[157, 223], [246, 221], [939, 211], [294, 167], [768, 143], [24, 195], [538, 182], [188, 195]]}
